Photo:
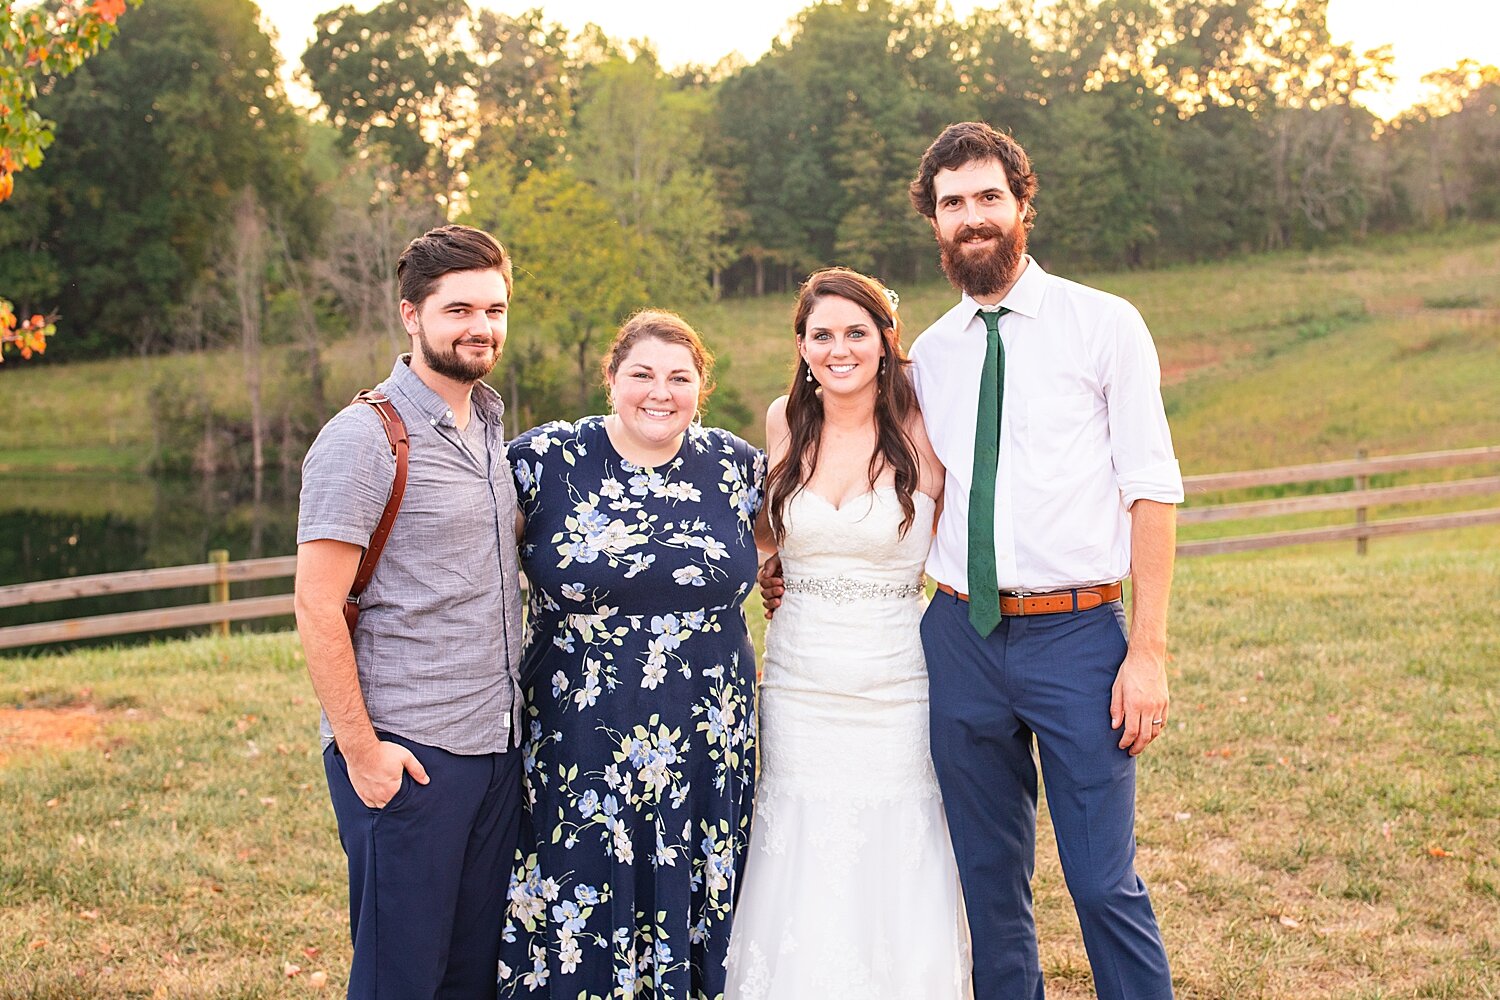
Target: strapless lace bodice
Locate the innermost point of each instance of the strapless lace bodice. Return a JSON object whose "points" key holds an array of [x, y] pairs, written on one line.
{"points": [[856, 543]]}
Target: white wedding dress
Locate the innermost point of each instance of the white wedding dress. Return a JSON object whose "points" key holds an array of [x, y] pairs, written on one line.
{"points": [[850, 889]]}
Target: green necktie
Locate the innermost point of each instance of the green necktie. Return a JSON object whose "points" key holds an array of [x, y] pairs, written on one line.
{"points": [[984, 590]]}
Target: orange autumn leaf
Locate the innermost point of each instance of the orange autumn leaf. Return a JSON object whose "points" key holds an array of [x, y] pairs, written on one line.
{"points": [[1438, 852], [108, 11]]}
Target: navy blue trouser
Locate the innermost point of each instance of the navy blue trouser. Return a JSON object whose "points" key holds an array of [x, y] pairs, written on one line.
{"points": [[428, 874], [1048, 677]]}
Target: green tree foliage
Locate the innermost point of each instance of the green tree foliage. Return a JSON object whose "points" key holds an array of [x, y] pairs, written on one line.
{"points": [[393, 79], [823, 134], [39, 42], [1162, 130], [156, 137], [525, 87], [639, 145], [575, 282], [754, 156], [1444, 161]]}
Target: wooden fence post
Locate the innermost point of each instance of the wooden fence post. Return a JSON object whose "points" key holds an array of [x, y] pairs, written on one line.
{"points": [[218, 591], [1361, 514]]}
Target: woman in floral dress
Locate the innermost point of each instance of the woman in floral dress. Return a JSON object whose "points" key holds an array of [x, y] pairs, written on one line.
{"points": [[639, 675]]}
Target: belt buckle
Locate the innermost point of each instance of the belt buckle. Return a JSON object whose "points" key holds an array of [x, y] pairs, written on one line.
{"points": [[1020, 596]]}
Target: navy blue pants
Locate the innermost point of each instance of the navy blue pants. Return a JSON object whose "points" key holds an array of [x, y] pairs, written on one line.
{"points": [[1046, 677], [428, 874]]}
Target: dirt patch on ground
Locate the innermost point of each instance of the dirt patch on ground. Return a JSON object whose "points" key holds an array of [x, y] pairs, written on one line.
{"points": [[27, 729], [1180, 361]]}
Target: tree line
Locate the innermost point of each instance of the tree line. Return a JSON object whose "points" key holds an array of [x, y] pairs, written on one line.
{"points": [[186, 203]]}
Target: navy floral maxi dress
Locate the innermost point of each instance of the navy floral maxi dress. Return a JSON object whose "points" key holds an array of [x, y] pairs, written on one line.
{"points": [[639, 677]]}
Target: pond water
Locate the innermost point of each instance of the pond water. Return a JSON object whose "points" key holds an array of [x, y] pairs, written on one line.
{"points": [[64, 525]]}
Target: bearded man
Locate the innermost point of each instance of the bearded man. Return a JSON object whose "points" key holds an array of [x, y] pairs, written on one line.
{"points": [[1042, 398], [421, 702]]}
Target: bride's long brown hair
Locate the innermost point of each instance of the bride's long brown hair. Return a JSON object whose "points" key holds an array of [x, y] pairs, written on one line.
{"points": [[895, 401]]}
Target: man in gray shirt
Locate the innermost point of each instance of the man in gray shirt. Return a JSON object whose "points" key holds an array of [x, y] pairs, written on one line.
{"points": [[420, 705]]}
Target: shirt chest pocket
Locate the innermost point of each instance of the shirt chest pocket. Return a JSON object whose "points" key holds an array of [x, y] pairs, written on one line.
{"points": [[1059, 431]]}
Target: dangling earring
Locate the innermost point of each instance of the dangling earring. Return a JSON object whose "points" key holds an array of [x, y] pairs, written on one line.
{"points": [[809, 371]]}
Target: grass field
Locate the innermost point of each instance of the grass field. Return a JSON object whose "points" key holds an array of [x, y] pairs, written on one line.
{"points": [[1321, 822]]}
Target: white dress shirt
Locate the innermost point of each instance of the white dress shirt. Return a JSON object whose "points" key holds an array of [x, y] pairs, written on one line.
{"points": [[1083, 433]]}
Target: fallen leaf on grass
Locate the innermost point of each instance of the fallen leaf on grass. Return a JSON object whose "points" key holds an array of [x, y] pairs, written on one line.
{"points": [[88, 914], [1386, 829], [37, 944], [268, 801], [312, 951], [52, 803], [289, 970], [1438, 852], [1221, 752], [1287, 921], [318, 980], [1182, 817]]}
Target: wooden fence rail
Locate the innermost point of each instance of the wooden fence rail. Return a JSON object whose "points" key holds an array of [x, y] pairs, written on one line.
{"points": [[1360, 500], [218, 574], [208, 573]]}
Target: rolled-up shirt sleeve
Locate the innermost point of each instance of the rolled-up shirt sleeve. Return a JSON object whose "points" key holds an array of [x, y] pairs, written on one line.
{"points": [[1145, 465], [346, 479]]}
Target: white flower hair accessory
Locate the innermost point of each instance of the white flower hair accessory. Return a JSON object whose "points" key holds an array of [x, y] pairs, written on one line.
{"points": [[893, 299]]}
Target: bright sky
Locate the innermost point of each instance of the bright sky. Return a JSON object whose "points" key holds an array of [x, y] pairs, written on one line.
{"points": [[1425, 34]]}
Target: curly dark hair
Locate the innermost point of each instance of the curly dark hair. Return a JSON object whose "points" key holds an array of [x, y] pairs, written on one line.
{"points": [[964, 143]]}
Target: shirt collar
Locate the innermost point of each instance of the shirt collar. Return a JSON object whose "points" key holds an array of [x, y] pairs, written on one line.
{"points": [[1024, 297], [484, 398]]}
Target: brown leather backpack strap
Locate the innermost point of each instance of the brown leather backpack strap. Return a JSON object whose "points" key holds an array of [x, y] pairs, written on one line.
{"points": [[395, 433]]}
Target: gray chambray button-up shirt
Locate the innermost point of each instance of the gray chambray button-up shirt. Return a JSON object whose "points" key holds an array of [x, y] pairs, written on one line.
{"points": [[438, 644]]}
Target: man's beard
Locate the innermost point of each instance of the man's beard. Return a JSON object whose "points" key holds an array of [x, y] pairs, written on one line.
{"points": [[449, 365], [983, 271]]}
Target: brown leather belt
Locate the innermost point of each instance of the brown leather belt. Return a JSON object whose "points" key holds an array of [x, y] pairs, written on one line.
{"points": [[1055, 602]]}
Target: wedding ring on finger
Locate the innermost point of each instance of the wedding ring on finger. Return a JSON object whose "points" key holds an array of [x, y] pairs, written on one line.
{"points": [[1157, 722]]}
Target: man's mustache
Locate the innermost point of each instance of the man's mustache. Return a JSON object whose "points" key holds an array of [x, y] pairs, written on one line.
{"points": [[983, 231]]}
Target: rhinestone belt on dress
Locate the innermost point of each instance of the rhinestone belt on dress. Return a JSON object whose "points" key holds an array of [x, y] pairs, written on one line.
{"points": [[843, 589]]}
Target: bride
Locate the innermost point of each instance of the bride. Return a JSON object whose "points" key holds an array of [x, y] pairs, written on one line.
{"points": [[850, 888]]}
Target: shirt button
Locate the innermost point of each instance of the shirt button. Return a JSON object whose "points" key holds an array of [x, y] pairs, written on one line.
{"points": [[450, 414], [433, 421]]}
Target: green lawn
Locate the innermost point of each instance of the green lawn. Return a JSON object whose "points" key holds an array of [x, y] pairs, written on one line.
{"points": [[1322, 820]]}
